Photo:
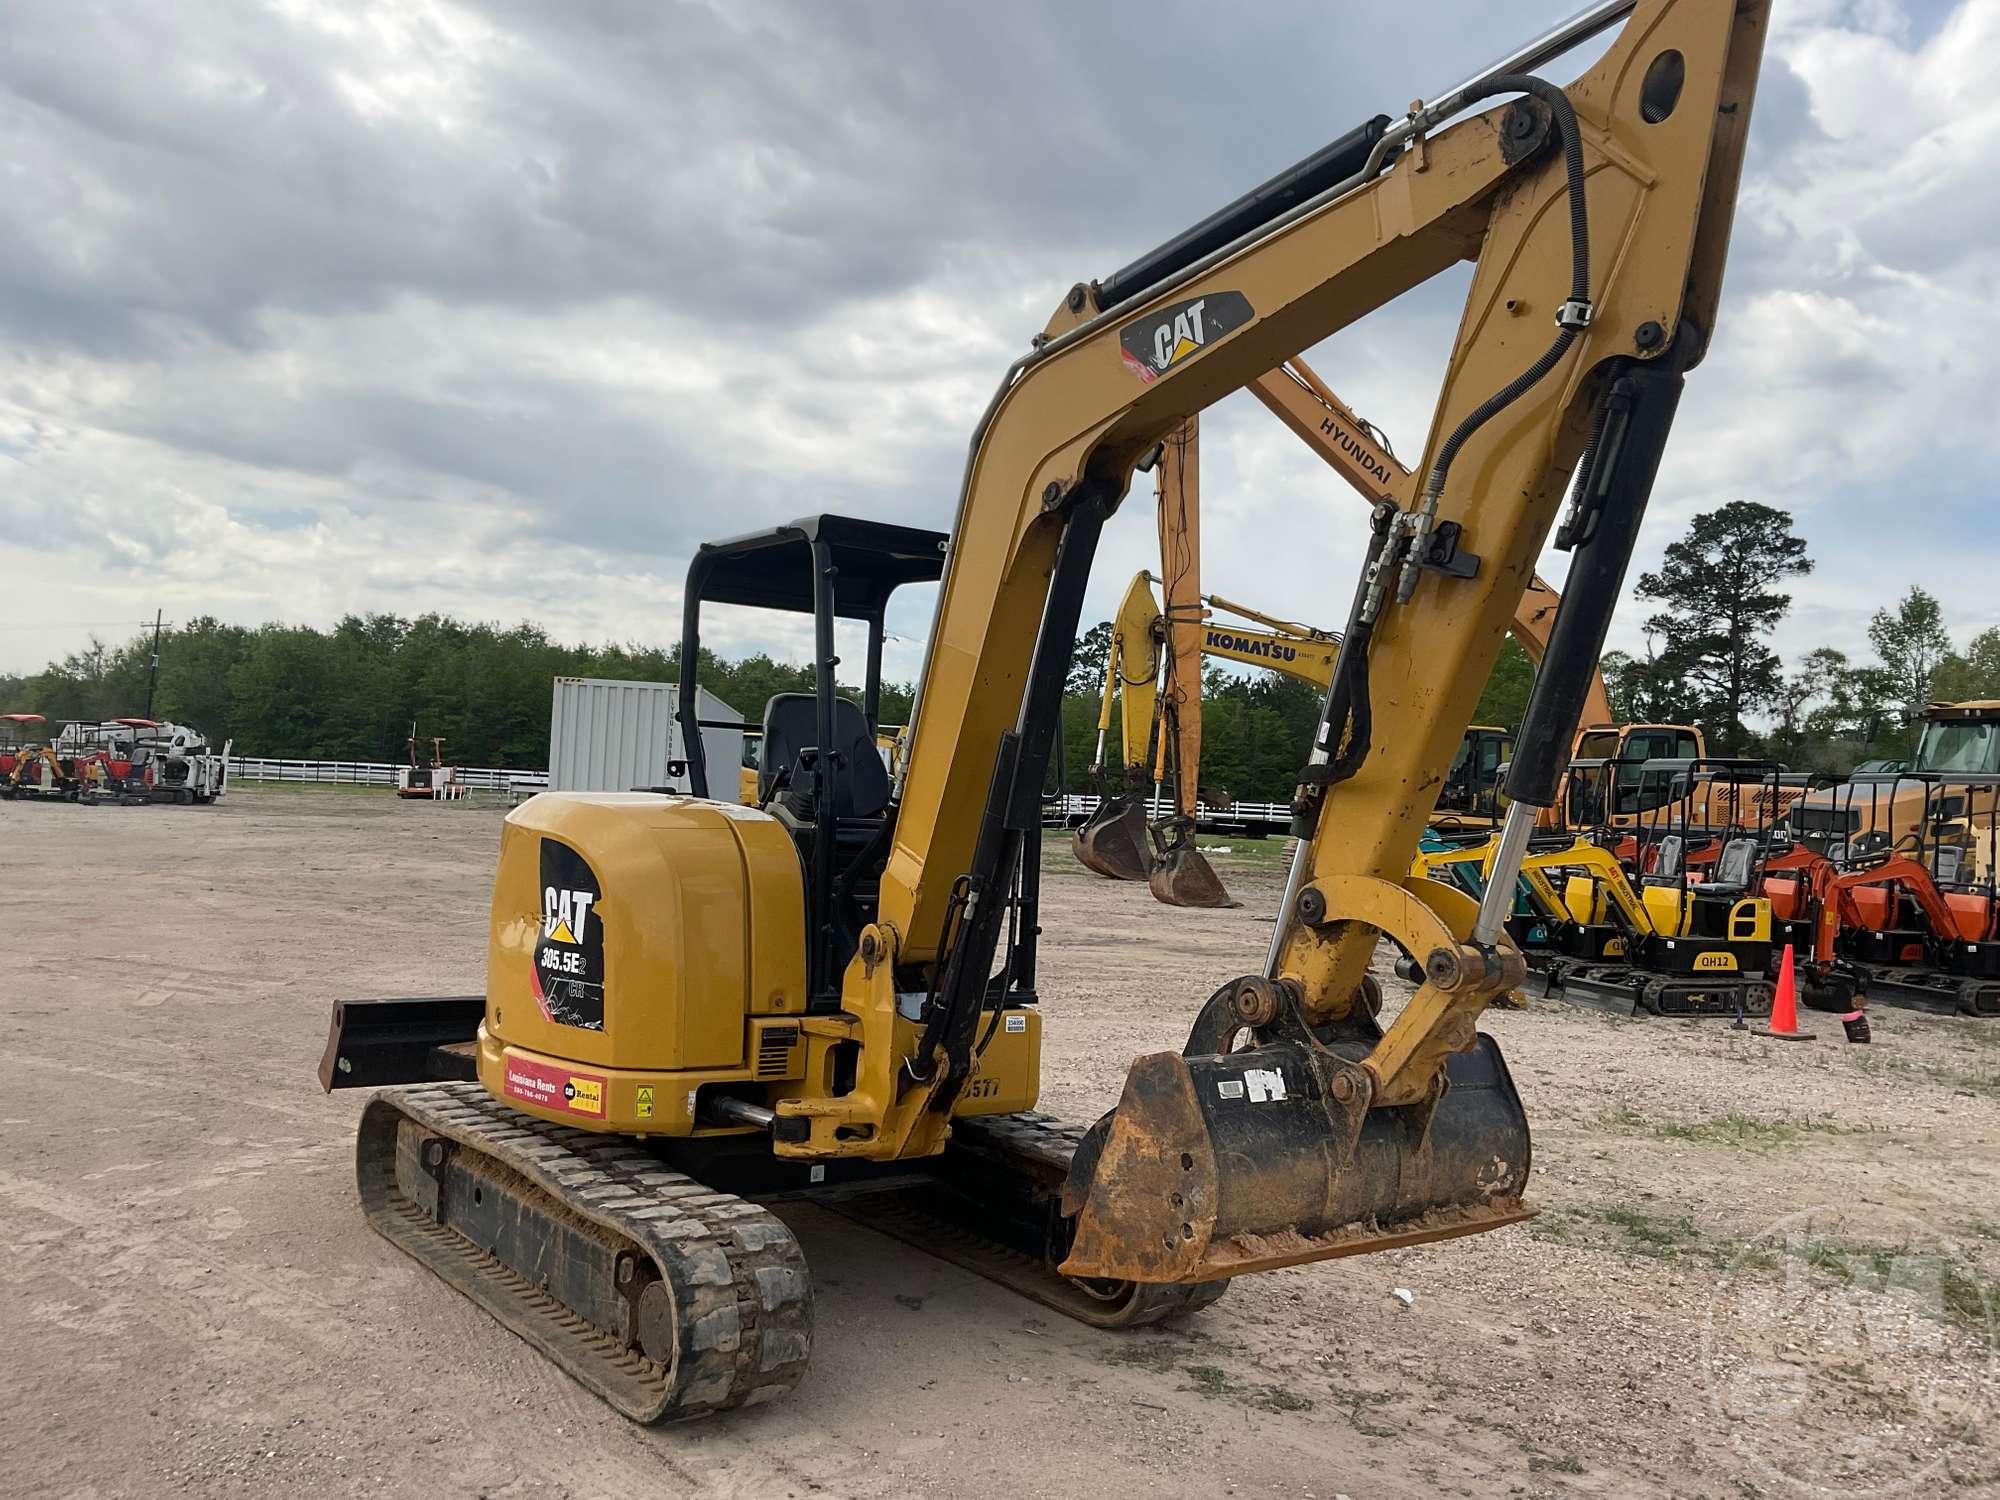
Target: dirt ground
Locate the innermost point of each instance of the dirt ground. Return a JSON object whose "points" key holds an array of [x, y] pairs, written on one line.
{"points": [[1760, 1270]]}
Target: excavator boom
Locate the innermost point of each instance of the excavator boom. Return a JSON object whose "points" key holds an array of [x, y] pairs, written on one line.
{"points": [[1598, 219], [1114, 840], [1179, 873], [687, 999]]}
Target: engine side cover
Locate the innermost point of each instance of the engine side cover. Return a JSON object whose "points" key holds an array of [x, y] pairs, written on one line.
{"points": [[632, 930]]}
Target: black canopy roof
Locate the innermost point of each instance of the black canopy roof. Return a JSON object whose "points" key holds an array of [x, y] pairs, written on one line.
{"points": [[773, 569]]}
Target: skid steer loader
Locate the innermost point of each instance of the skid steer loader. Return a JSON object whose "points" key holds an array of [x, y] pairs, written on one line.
{"points": [[693, 1005]]}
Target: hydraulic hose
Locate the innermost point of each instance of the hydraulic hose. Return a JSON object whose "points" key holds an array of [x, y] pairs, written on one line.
{"points": [[1345, 731], [1574, 315]]}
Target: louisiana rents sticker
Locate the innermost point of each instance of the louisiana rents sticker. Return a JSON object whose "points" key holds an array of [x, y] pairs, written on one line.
{"points": [[554, 1088], [568, 972], [1154, 344]]}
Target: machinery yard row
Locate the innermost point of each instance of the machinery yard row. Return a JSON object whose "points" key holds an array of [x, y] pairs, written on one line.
{"points": [[184, 1248]]}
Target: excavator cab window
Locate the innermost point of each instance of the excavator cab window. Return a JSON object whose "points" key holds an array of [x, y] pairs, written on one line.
{"points": [[1967, 746], [1589, 805], [1470, 784], [818, 771], [1637, 792]]}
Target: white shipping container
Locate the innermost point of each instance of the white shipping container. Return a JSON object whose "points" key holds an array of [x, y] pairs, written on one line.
{"points": [[609, 736]]}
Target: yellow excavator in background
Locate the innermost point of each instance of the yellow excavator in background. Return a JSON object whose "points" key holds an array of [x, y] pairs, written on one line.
{"points": [[1117, 840], [693, 1006]]}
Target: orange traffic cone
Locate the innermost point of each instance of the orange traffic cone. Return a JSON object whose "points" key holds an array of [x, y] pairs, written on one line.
{"points": [[1785, 1006]]}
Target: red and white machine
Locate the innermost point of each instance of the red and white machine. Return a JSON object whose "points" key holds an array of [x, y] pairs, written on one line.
{"points": [[151, 760], [436, 782]]}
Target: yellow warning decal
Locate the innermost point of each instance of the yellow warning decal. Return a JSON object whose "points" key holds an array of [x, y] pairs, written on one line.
{"points": [[645, 1106]]}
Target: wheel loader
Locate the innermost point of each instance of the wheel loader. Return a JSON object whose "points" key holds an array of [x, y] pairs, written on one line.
{"points": [[1954, 777], [693, 1006]]}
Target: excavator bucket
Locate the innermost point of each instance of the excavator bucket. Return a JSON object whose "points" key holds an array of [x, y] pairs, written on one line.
{"points": [[1113, 840], [1182, 876], [1213, 1166]]}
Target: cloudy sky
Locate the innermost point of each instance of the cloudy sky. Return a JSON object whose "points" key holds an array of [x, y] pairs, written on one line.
{"points": [[496, 307]]}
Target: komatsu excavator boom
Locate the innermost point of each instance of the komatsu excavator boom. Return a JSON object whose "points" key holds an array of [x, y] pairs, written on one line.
{"points": [[1118, 840], [691, 1005]]}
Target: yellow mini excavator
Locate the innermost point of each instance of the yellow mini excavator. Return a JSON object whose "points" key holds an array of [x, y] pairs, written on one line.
{"points": [[692, 1006], [1118, 840]]}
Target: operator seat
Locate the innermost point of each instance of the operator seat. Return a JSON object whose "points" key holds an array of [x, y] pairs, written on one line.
{"points": [[856, 775], [1732, 869], [1667, 861], [858, 783]]}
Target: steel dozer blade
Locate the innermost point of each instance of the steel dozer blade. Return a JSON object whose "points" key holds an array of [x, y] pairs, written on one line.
{"points": [[1113, 841], [1182, 876], [1212, 1166]]}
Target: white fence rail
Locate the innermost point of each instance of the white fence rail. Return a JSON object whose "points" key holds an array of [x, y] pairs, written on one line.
{"points": [[1269, 816], [374, 773]]}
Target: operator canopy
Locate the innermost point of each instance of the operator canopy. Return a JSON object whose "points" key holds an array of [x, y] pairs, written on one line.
{"points": [[774, 569]]}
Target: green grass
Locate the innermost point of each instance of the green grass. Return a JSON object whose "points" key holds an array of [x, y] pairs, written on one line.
{"points": [[1542, 1463], [1278, 1398], [1269, 850], [1628, 1231], [1264, 853], [1355, 1406], [1984, 1085], [1656, 1236], [1734, 1129], [1208, 1379], [1148, 1353], [244, 786], [346, 790], [1213, 1382], [1967, 1298]]}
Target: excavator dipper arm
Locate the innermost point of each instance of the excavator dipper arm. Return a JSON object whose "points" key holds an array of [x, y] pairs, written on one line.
{"points": [[1597, 219], [1296, 396]]}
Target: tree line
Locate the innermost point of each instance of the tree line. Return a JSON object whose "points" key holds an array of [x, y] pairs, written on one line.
{"points": [[354, 691], [1718, 596]]}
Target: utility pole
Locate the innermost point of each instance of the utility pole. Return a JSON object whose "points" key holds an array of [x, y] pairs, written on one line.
{"points": [[153, 678]]}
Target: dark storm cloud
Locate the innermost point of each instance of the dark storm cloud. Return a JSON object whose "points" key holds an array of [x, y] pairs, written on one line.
{"points": [[755, 163], [585, 282], [756, 173]]}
